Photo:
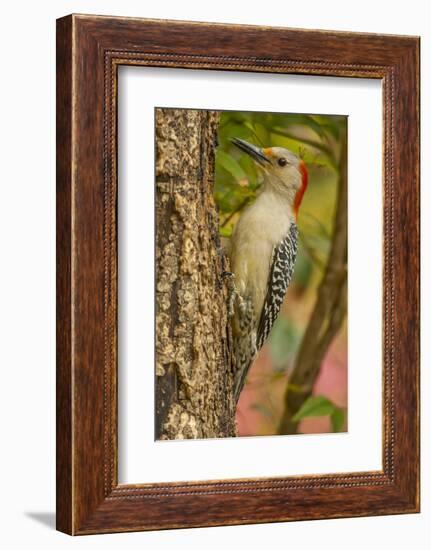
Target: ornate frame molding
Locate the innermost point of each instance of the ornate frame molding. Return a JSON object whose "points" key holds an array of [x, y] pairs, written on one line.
{"points": [[89, 498]]}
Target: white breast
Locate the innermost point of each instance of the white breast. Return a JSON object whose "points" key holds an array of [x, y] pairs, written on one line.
{"points": [[261, 227]]}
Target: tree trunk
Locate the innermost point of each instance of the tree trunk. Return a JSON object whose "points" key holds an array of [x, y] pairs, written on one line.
{"points": [[194, 369]]}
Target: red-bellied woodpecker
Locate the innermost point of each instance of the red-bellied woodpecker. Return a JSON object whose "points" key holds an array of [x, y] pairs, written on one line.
{"points": [[263, 252]]}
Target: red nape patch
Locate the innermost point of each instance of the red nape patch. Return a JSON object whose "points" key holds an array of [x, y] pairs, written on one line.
{"points": [[301, 190]]}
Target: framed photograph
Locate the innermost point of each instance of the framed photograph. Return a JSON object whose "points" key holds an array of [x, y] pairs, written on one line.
{"points": [[237, 274]]}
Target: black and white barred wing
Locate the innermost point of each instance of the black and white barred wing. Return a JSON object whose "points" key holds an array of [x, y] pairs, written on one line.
{"points": [[280, 275]]}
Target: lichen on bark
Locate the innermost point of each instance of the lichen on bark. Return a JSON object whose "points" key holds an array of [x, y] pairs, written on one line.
{"points": [[194, 372]]}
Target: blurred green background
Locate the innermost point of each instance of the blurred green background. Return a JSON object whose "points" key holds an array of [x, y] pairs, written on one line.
{"points": [[317, 140]]}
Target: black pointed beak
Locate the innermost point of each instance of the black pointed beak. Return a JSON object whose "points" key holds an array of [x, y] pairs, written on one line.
{"points": [[255, 153]]}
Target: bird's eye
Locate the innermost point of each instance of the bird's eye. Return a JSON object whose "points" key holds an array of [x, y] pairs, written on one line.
{"points": [[282, 161]]}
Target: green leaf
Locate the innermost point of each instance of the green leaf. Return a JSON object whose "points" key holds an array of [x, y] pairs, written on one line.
{"points": [[232, 129], [250, 126], [321, 406], [231, 165], [308, 121], [226, 231], [262, 134], [314, 406], [337, 420]]}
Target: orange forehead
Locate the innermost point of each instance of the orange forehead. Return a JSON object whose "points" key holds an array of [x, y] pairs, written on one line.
{"points": [[267, 152]]}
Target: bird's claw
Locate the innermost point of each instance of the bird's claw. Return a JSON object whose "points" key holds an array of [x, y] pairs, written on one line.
{"points": [[227, 275]]}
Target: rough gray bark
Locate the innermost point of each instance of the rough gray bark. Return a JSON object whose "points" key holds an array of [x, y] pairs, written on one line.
{"points": [[194, 372]]}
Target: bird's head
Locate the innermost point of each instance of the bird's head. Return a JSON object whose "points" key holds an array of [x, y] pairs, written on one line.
{"points": [[284, 171]]}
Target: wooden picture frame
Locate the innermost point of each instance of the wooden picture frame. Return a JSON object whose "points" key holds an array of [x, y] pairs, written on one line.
{"points": [[89, 52]]}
